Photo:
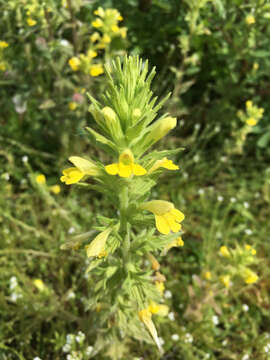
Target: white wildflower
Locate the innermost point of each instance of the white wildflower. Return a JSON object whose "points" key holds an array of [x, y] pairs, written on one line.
{"points": [[171, 316], [175, 337], [188, 338], [220, 198], [215, 319], [168, 294], [248, 232], [245, 307]]}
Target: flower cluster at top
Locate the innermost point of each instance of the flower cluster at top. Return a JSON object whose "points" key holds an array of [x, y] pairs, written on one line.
{"points": [[236, 266], [252, 115], [107, 25]]}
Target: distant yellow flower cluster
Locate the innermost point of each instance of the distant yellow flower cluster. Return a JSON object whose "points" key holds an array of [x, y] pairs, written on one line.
{"points": [[3, 63], [108, 28], [252, 115], [41, 180], [240, 259]]}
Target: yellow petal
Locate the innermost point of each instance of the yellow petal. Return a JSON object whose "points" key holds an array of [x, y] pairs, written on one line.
{"points": [[138, 170], [71, 176], [174, 226], [178, 215], [125, 170], [168, 164], [112, 169], [162, 225]]}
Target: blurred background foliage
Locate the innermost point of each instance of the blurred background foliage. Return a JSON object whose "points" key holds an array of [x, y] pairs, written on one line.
{"points": [[214, 58]]}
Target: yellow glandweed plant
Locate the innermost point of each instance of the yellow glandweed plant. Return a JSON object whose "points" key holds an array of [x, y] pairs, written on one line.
{"points": [[126, 290]]}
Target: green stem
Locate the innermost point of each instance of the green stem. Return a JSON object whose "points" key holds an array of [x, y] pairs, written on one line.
{"points": [[124, 226]]}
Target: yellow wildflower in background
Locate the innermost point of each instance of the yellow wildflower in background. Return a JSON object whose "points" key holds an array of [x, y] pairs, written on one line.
{"points": [[97, 23], [94, 37], [166, 216], [163, 163], [72, 105], [31, 22], [251, 249], [225, 279], [3, 44], [39, 284], [100, 12], [92, 54], [126, 166], [82, 167], [224, 251], [41, 179], [250, 19], [207, 275], [251, 121], [55, 189], [250, 277], [3, 66], [255, 66], [96, 70], [74, 63]]}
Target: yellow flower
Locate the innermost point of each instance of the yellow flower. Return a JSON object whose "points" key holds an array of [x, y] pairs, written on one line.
{"points": [[115, 28], [207, 275], [41, 179], [96, 70], [224, 251], [225, 279], [160, 286], [123, 32], [251, 121], [249, 248], [249, 104], [72, 105], [146, 317], [100, 12], [126, 166], [2, 66], [55, 189], [97, 246], [31, 22], [163, 163], [94, 37], [74, 63], [158, 309], [249, 276], [175, 243], [255, 66], [91, 54], [97, 23], [40, 285], [82, 167], [166, 216], [106, 39], [120, 18], [3, 44], [250, 19]]}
